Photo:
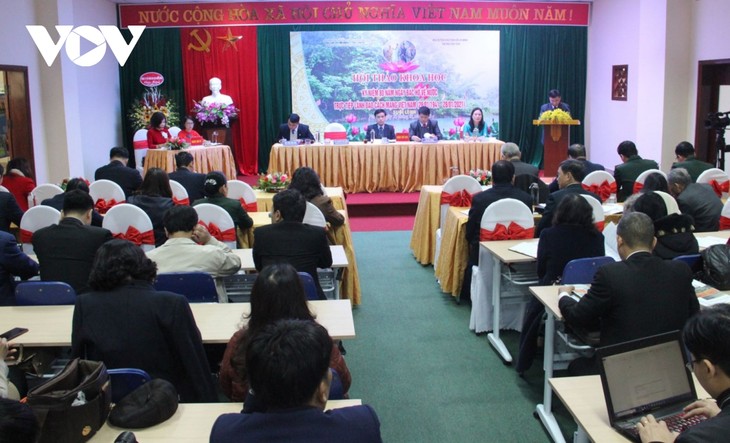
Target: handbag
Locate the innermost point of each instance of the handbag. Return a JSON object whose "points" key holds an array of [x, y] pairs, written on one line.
{"points": [[73, 405]]}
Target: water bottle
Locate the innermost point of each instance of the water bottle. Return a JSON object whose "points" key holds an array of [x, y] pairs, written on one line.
{"points": [[475, 133], [318, 136], [372, 135], [535, 193], [215, 137]]}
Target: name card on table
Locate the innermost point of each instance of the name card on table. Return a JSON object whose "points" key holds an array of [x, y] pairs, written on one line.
{"points": [[429, 140], [290, 143], [341, 142]]}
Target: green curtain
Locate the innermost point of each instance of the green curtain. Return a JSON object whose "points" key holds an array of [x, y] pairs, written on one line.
{"points": [[158, 50]]}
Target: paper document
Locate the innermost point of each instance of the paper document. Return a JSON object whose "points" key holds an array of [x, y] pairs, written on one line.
{"points": [[528, 248], [612, 208], [580, 290], [706, 242], [714, 299]]}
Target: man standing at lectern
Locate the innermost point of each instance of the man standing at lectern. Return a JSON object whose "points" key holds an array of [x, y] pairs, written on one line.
{"points": [[555, 102]]}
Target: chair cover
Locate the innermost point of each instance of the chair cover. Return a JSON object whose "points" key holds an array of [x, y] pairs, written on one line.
{"points": [[3, 189], [106, 194], [42, 192], [335, 131], [639, 183], [598, 217], [218, 222], [670, 202], [128, 222], [600, 183], [718, 179], [725, 217], [179, 194], [313, 216], [244, 193], [174, 131], [457, 191], [34, 219], [139, 142]]}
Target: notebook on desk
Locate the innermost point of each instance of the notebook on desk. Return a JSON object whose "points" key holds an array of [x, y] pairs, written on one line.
{"points": [[646, 376]]}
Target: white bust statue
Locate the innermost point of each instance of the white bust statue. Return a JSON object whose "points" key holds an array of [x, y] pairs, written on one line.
{"points": [[215, 85]]}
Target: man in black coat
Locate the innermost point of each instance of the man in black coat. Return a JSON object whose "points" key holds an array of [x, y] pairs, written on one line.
{"points": [[577, 151], [510, 151], [555, 101], [695, 199], [10, 212], [118, 172], [570, 175], [66, 251], [640, 296], [380, 129], [424, 125], [288, 240], [190, 180], [293, 130], [56, 201], [13, 263]]}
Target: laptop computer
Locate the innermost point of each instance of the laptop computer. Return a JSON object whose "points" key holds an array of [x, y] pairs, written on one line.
{"points": [[646, 376]]}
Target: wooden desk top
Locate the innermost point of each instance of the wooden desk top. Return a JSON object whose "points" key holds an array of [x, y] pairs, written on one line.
{"points": [[51, 325], [583, 396], [548, 296], [501, 250], [191, 423], [339, 258]]}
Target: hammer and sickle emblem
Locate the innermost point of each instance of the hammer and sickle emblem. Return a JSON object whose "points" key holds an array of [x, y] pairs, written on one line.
{"points": [[203, 45]]}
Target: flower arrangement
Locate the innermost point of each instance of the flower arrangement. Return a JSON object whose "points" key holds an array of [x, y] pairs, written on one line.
{"points": [[555, 116], [176, 144], [273, 182], [483, 176], [214, 113], [64, 183], [152, 101], [353, 132]]}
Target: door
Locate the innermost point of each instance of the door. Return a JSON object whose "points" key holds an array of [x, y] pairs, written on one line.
{"points": [[16, 135]]}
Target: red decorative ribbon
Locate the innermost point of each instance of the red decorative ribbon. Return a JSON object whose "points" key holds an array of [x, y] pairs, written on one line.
{"points": [[460, 199], [502, 232], [249, 207], [103, 205], [638, 187], [140, 144], [26, 236], [719, 188], [724, 223], [181, 201], [136, 237], [600, 225], [215, 231], [603, 190]]}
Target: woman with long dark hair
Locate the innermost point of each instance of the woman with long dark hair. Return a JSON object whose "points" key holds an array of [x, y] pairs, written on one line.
{"points": [[475, 127], [18, 180], [306, 181], [157, 134], [154, 197]]}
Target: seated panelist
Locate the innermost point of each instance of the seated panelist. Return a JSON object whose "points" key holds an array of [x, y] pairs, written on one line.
{"points": [[380, 129], [424, 127], [157, 133], [292, 130]]}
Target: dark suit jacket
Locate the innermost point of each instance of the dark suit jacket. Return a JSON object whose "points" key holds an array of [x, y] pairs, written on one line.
{"points": [[479, 203], [13, 262], [303, 246], [356, 424], [693, 166], [549, 107], [192, 182], [552, 203], [638, 297], [701, 202], [388, 131], [128, 178], [303, 132], [713, 430], [134, 326], [155, 207], [626, 174], [589, 167], [560, 244], [66, 251], [56, 202], [522, 168], [10, 212], [432, 128]]}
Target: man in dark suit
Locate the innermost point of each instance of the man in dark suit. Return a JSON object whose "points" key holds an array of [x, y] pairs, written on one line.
{"points": [[13, 262], [118, 172], [289, 240], [640, 296], [685, 153], [293, 130], [570, 174], [510, 151], [380, 129], [56, 201], [695, 199], [190, 180], [577, 151], [424, 125], [555, 102], [66, 251], [10, 212], [627, 172]]}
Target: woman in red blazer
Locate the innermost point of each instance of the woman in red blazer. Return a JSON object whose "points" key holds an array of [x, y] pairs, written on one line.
{"points": [[188, 134], [157, 134], [18, 179]]}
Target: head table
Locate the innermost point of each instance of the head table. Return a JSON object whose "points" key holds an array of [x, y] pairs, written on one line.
{"points": [[205, 159]]}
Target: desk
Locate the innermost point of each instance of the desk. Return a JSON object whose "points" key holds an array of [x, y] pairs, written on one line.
{"points": [[205, 159], [720, 234], [50, 326], [583, 397], [339, 258], [192, 422], [393, 167], [265, 202], [454, 253]]}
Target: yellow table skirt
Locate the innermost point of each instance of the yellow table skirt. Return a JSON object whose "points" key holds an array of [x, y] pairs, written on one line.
{"points": [[425, 224], [454, 253], [265, 200], [205, 160]]}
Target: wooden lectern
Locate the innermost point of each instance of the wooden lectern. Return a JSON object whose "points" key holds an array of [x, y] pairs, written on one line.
{"points": [[555, 139]]}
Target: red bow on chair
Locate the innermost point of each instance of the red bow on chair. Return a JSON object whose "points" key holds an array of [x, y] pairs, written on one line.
{"points": [[719, 188], [181, 202], [502, 232], [136, 237], [600, 225], [103, 206], [638, 187], [140, 144], [459, 199], [215, 231], [249, 207], [26, 236], [724, 223], [603, 190]]}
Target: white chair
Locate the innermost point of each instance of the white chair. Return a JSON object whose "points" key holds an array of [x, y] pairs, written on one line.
{"points": [[174, 131], [639, 183], [3, 189], [139, 143], [506, 219], [600, 183], [313, 216], [718, 179], [327, 277], [244, 193], [599, 218], [335, 131], [670, 202], [179, 194], [34, 219], [106, 194], [457, 191], [42, 192], [725, 217], [131, 223], [218, 222]]}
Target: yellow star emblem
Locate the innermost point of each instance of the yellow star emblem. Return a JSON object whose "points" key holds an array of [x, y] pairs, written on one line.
{"points": [[230, 40]]}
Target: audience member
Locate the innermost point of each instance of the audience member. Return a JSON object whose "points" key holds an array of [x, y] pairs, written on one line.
{"points": [[705, 336], [640, 296], [13, 263], [215, 189], [289, 240], [287, 365], [674, 232], [570, 175], [56, 201], [627, 172], [577, 151], [190, 247], [380, 129], [511, 152], [7, 389], [19, 181], [685, 153], [655, 182], [117, 171], [66, 251], [10, 212], [292, 130], [306, 181], [18, 423], [695, 199], [158, 134], [277, 294], [154, 197], [192, 181], [126, 323], [424, 126]]}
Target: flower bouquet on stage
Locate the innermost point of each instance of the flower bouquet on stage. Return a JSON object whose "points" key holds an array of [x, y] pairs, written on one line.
{"points": [[216, 119], [273, 182]]}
